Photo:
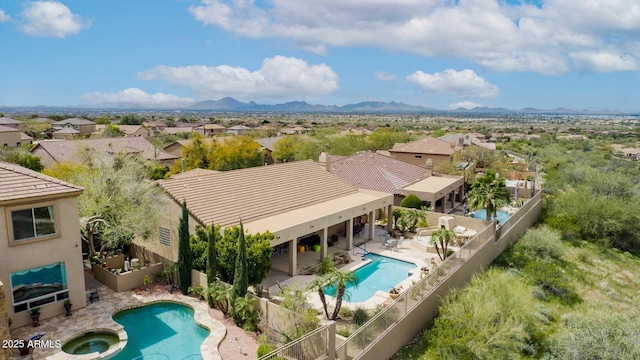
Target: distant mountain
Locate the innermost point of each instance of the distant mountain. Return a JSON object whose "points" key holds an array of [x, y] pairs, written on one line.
{"points": [[230, 104]]}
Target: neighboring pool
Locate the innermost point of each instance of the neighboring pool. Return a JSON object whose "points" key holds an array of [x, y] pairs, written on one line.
{"points": [[501, 215], [382, 273], [161, 328]]}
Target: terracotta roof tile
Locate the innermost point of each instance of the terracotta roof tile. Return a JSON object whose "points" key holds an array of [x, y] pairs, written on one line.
{"points": [[17, 183], [69, 150], [372, 171], [427, 145], [225, 197]]}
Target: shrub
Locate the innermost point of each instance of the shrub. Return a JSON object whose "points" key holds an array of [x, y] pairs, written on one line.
{"points": [[345, 313], [551, 278], [412, 201], [344, 331], [360, 316], [244, 314], [264, 349], [541, 242]]}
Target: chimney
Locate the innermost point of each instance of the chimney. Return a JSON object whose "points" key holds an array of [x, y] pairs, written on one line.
{"points": [[429, 166], [325, 161], [461, 142], [453, 144]]}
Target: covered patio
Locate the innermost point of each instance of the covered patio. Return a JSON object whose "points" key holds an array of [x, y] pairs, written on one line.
{"points": [[444, 193]]}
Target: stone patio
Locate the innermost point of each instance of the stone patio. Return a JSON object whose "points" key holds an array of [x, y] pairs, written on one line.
{"points": [[98, 316]]}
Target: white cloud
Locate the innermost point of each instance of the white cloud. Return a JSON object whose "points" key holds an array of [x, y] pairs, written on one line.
{"points": [[4, 16], [464, 83], [279, 77], [464, 104], [493, 33], [383, 76], [603, 61], [135, 95], [51, 18]]}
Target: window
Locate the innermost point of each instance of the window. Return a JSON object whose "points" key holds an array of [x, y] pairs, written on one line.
{"points": [[417, 156], [33, 222], [38, 286], [165, 236]]}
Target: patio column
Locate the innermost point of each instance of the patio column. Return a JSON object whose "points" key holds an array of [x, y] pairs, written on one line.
{"points": [[443, 202], [323, 243], [372, 225], [453, 199], [349, 232], [293, 257], [389, 218]]}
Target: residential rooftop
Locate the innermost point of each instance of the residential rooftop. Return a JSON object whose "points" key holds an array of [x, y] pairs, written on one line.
{"points": [[18, 183]]}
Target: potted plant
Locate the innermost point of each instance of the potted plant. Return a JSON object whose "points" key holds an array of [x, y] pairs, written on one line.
{"points": [[23, 347], [395, 292], [35, 316], [147, 281], [67, 307], [424, 270]]}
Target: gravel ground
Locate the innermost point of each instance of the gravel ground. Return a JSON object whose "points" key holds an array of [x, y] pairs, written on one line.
{"points": [[238, 344]]}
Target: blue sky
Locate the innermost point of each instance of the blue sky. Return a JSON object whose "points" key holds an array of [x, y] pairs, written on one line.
{"points": [[436, 53]]}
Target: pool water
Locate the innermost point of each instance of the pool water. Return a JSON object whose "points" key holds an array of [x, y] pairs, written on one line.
{"points": [[382, 273], [161, 328], [501, 215], [99, 341]]}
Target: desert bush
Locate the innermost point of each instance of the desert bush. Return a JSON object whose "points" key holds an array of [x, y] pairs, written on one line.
{"points": [[552, 278], [494, 317], [412, 201], [360, 316]]}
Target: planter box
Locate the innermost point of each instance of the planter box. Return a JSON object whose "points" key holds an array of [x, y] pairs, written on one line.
{"points": [[125, 281]]}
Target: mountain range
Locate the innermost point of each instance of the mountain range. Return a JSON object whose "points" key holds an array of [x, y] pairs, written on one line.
{"points": [[229, 104]]}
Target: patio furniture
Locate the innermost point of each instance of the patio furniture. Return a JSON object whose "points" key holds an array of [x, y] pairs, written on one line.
{"points": [[385, 242], [401, 242], [93, 296], [394, 245]]}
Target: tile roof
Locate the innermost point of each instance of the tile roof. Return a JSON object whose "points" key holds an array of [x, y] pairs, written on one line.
{"points": [[62, 151], [267, 143], [7, 129], [17, 183], [372, 171], [177, 129], [225, 197], [9, 121], [427, 145], [74, 121], [68, 130]]}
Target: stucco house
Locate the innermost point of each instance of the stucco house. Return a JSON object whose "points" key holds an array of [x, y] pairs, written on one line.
{"points": [[9, 122], [417, 152], [13, 137], [210, 129], [84, 126], [238, 130], [374, 171], [53, 152], [292, 200], [127, 131], [40, 245]]}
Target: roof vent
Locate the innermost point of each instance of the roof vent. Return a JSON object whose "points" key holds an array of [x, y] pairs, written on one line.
{"points": [[41, 186]]}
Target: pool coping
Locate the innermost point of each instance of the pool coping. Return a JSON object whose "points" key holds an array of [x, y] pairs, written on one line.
{"points": [[208, 348]]}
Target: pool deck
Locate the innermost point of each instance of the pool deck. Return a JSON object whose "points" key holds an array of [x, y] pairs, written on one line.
{"points": [[99, 316]]}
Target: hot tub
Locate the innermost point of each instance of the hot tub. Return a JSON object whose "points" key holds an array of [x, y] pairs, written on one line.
{"points": [[101, 341]]}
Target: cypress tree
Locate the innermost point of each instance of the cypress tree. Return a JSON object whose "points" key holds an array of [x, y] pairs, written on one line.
{"points": [[184, 251], [241, 275], [212, 266]]}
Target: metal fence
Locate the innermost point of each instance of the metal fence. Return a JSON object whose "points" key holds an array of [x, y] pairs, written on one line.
{"points": [[313, 345], [404, 304]]}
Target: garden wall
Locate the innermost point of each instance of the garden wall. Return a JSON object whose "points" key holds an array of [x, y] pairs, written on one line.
{"points": [[127, 280]]}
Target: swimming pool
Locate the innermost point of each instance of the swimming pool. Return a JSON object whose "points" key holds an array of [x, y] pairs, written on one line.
{"points": [[160, 328], [501, 215], [382, 273]]}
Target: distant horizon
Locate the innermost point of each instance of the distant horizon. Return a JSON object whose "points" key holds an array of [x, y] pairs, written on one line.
{"points": [[508, 54]]}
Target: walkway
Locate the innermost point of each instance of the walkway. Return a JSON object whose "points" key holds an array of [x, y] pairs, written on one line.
{"points": [[98, 316]]}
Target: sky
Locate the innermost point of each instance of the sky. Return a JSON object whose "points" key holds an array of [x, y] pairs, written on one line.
{"points": [[440, 54]]}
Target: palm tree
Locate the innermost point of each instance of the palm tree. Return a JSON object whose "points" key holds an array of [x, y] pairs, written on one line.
{"points": [[414, 217], [488, 192], [342, 279], [441, 239], [333, 277]]}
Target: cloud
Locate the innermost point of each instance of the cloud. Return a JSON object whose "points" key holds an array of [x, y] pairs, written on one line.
{"points": [[4, 16], [464, 104], [135, 95], [500, 35], [51, 18], [464, 83], [278, 77], [383, 76]]}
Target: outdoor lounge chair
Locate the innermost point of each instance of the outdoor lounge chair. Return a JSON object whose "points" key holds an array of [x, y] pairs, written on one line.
{"points": [[385, 242], [401, 242]]}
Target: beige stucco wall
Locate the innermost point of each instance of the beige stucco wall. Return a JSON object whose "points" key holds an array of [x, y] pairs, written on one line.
{"points": [[11, 138], [66, 247], [171, 220], [5, 354], [410, 158]]}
